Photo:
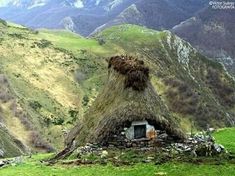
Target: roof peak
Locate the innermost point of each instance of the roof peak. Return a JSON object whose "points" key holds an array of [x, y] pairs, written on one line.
{"points": [[136, 73]]}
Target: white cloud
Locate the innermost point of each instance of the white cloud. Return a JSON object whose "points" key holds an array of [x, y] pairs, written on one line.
{"points": [[36, 5], [78, 4]]}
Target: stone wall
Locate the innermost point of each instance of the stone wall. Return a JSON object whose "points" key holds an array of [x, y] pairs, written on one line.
{"points": [[126, 139]]}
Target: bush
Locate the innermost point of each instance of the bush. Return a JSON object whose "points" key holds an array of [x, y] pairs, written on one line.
{"points": [[43, 43], [58, 121], [18, 36], [101, 41], [35, 105], [73, 114], [85, 100]]}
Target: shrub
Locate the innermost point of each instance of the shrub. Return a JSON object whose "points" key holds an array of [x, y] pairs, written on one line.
{"points": [[73, 114], [43, 43], [85, 100], [18, 36], [58, 121], [35, 105], [101, 41]]}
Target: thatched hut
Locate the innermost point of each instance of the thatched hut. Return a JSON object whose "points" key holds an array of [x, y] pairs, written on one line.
{"points": [[128, 98], [128, 108]]}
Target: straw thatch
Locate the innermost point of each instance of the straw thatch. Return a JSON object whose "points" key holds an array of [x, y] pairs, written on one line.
{"points": [[136, 74], [126, 97]]}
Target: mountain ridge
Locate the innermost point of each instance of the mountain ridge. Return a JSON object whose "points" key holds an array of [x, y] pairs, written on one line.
{"points": [[92, 14], [212, 33]]}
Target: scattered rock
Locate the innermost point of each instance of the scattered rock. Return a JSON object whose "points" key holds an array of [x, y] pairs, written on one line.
{"points": [[199, 145], [161, 174], [150, 158], [163, 136], [219, 148], [211, 130], [12, 162], [2, 163], [17, 160], [147, 161], [104, 154], [1, 153]]}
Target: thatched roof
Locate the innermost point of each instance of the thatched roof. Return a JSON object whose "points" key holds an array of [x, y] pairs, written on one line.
{"points": [[127, 96]]}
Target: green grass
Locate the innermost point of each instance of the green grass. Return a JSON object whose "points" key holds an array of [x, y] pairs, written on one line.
{"points": [[34, 168], [226, 137], [72, 42], [137, 170], [131, 33]]}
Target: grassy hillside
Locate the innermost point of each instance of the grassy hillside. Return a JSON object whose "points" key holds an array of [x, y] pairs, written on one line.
{"points": [[33, 167], [53, 86], [56, 75]]}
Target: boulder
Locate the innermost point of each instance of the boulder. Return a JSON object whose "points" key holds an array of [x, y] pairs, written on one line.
{"points": [[2, 153]]}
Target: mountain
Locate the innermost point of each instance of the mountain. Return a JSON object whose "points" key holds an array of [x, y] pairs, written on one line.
{"points": [[194, 21], [212, 33], [52, 77], [157, 14], [29, 4], [85, 16], [76, 15]]}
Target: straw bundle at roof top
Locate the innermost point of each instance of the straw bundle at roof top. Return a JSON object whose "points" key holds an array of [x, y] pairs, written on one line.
{"points": [[137, 74]]}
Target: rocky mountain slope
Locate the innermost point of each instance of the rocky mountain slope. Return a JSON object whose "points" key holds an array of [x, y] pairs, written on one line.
{"points": [[212, 33], [157, 14], [54, 76], [11, 129]]}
